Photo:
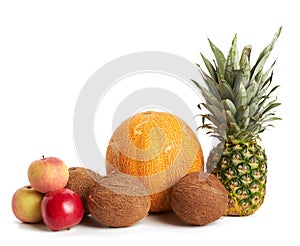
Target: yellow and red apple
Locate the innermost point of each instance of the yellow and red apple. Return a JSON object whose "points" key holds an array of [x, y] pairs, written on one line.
{"points": [[26, 205], [48, 174]]}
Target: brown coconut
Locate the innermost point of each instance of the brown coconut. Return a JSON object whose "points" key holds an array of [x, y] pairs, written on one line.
{"points": [[199, 198], [81, 180], [118, 200]]}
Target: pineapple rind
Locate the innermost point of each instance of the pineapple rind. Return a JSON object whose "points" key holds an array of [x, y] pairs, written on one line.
{"points": [[242, 168]]}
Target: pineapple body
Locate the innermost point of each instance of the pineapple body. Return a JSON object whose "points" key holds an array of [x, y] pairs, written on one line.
{"points": [[242, 168]]}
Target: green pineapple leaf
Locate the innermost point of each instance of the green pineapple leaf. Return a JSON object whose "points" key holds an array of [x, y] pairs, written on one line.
{"points": [[243, 74], [216, 113], [252, 91], [270, 105], [210, 98], [243, 112], [210, 118], [266, 97], [253, 107], [210, 68], [264, 56], [241, 97], [245, 57], [266, 74], [220, 59], [245, 122], [264, 86], [234, 128], [211, 84], [229, 116], [226, 91], [229, 105], [232, 62]]}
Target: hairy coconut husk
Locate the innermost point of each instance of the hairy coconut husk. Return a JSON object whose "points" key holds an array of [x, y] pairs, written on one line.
{"points": [[199, 198], [118, 200], [81, 180]]}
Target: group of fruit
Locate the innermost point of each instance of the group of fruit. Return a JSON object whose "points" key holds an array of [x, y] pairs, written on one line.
{"points": [[154, 161], [60, 197], [46, 198]]}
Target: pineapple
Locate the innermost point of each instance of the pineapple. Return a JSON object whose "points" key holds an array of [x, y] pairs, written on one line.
{"points": [[240, 105]]}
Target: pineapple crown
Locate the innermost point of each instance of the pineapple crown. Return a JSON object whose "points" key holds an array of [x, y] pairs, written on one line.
{"points": [[238, 97]]}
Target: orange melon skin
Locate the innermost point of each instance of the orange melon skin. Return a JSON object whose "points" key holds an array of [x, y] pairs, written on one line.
{"points": [[158, 148]]}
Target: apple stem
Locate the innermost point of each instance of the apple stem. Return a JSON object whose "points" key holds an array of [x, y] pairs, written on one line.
{"points": [[43, 157]]}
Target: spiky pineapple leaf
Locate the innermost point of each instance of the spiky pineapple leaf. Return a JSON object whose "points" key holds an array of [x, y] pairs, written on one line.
{"points": [[245, 56], [229, 105], [210, 98], [258, 129], [253, 107], [220, 59], [273, 89], [210, 118], [245, 123], [216, 112], [266, 74], [268, 117], [252, 91], [226, 91], [241, 97], [244, 73], [232, 62], [269, 47], [210, 83], [229, 116], [264, 56], [264, 98], [271, 119], [243, 112], [233, 128], [210, 68], [262, 90], [205, 126], [270, 105]]}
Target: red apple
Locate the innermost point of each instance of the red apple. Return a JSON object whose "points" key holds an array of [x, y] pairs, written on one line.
{"points": [[48, 174], [26, 205], [62, 209]]}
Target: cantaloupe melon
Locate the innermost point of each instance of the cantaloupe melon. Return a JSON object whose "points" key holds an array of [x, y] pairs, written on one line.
{"points": [[158, 148]]}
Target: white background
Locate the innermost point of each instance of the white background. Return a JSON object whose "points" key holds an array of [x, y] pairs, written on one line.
{"points": [[48, 50]]}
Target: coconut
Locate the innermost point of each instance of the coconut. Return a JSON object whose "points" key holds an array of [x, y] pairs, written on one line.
{"points": [[199, 198], [81, 180], [118, 200]]}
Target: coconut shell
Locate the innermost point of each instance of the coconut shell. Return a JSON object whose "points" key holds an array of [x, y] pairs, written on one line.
{"points": [[199, 198], [81, 180], [118, 200]]}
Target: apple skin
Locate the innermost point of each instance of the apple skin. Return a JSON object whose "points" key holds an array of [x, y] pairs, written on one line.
{"points": [[62, 209], [26, 205], [48, 174]]}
